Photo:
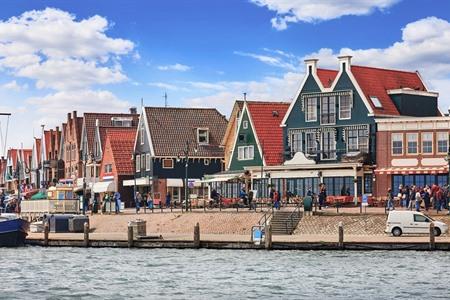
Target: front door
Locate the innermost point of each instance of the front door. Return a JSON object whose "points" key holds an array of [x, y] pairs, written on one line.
{"points": [[421, 224]]}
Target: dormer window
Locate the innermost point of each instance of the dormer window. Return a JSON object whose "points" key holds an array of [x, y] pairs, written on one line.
{"points": [[376, 102], [142, 133], [121, 122], [203, 135]]}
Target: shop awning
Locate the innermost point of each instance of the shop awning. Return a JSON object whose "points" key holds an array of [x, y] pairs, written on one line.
{"points": [[174, 182], [407, 171], [104, 186], [143, 181]]}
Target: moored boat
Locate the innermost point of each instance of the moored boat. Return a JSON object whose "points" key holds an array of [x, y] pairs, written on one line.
{"points": [[13, 230]]}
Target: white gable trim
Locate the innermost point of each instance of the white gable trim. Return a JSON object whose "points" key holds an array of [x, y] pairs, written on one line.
{"points": [[83, 137], [294, 102], [143, 118]]}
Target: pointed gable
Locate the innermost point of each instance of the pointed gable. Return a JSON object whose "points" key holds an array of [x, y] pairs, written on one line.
{"points": [[266, 119], [120, 142]]}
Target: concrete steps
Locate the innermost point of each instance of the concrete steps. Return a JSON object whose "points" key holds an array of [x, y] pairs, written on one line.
{"points": [[281, 224]]}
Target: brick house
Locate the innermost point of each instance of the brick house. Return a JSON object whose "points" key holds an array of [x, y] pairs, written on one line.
{"points": [[411, 151], [117, 164], [71, 146]]}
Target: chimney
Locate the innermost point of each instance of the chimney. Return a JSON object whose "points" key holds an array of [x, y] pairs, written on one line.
{"points": [[74, 114], [345, 62], [97, 123], [133, 110], [68, 117], [311, 66]]}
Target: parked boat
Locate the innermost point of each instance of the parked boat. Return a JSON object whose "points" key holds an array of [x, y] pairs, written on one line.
{"points": [[13, 230]]}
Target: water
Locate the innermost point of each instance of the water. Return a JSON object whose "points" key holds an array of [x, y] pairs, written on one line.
{"points": [[108, 273]]}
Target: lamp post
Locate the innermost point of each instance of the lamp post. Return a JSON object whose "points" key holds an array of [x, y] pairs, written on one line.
{"points": [[186, 165], [84, 181], [134, 173]]}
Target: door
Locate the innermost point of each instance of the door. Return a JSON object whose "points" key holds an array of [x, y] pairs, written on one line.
{"points": [[421, 224]]}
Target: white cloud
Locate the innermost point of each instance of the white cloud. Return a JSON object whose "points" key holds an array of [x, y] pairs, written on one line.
{"points": [[293, 11], [163, 85], [14, 86], [270, 60], [207, 85], [174, 67]]}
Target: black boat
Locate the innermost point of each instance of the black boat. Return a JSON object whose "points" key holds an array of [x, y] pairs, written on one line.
{"points": [[13, 230]]}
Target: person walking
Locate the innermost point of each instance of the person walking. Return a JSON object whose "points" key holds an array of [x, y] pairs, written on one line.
{"points": [[322, 195], [137, 201], [117, 202], [390, 200], [250, 200], [427, 198], [418, 200], [276, 197], [149, 201], [168, 199]]}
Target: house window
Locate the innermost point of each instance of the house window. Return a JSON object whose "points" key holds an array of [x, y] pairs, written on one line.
{"points": [[411, 139], [311, 144], [311, 109], [245, 124], [363, 141], [167, 163], [427, 142], [245, 152], [345, 107], [138, 163], [397, 143], [142, 133], [203, 136], [328, 110], [296, 142], [442, 142], [108, 168], [121, 122], [206, 162], [142, 161], [328, 145], [352, 140], [147, 161], [376, 102]]}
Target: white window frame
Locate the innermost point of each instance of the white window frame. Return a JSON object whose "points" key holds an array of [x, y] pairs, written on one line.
{"points": [[396, 135], [349, 108], [245, 124], [296, 144], [147, 162], [313, 116], [408, 140], [206, 161], [332, 143], [246, 152], [309, 147], [423, 140], [142, 161], [108, 168], [142, 133], [167, 159], [439, 135], [357, 140], [138, 163], [332, 109], [207, 136]]}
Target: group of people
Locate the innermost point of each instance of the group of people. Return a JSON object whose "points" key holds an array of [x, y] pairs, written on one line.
{"points": [[414, 197], [109, 198], [146, 201]]}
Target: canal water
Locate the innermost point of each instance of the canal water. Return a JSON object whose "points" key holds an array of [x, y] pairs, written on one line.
{"points": [[111, 273]]}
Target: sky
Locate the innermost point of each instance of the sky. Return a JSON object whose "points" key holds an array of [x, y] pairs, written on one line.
{"points": [[107, 56]]}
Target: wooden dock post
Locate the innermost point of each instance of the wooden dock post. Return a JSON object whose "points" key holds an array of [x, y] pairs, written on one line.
{"points": [[130, 236], [341, 236], [86, 234], [268, 237], [197, 236], [432, 239], [46, 231]]}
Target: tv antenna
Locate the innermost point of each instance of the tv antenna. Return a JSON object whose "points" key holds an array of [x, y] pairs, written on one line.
{"points": [[4, 141], [165, 99]]}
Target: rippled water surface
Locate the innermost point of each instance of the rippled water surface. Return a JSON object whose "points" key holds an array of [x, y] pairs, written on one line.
{"points": [[107, 273]]}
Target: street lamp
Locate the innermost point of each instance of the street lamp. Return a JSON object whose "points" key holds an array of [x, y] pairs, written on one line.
{"points": [[85, 161], [186, 165]]}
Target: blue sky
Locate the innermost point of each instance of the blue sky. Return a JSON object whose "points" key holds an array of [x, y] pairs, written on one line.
{"points": [[59, 56]]}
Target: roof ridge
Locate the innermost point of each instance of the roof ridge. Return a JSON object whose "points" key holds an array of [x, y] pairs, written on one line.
{"points": [[385, 69], [268, 102]]}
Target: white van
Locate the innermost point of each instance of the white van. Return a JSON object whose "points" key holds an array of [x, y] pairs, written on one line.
{"points": [[412, 222]]}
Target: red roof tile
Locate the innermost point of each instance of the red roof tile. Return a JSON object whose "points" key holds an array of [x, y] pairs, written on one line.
{"points": [[121, 141], [326, 76], [267, 126], [376, 82]]}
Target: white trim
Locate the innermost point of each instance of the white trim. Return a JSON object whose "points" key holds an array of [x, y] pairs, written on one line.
{"points": [[164, 159], [334, 107], [143, 118], [407, 141], [251, 155], [437, 141], [207, 135], [392, 143], [422, 140], [412, 92], [350, 104], [147, 162], [305, 103], [245, 125], [294, 102]]}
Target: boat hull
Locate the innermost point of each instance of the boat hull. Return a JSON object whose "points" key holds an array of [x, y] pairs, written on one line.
{"points": [[13, 232]]}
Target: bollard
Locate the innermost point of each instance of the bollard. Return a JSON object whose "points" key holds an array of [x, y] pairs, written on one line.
{"points": [[86, 234], [46, 231], [197, 236], [341, 236], [268, 237], [130, 236], [432, 238]]}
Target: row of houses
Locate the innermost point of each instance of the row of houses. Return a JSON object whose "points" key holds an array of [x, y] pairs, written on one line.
{"points": [[357, 129]]}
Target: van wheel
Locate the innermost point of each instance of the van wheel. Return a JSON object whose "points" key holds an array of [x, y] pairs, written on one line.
{"points": [[396, 231], [436, 231]]}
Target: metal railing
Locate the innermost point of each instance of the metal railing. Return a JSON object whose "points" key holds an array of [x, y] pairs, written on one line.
{"points": [[290, 221]]}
